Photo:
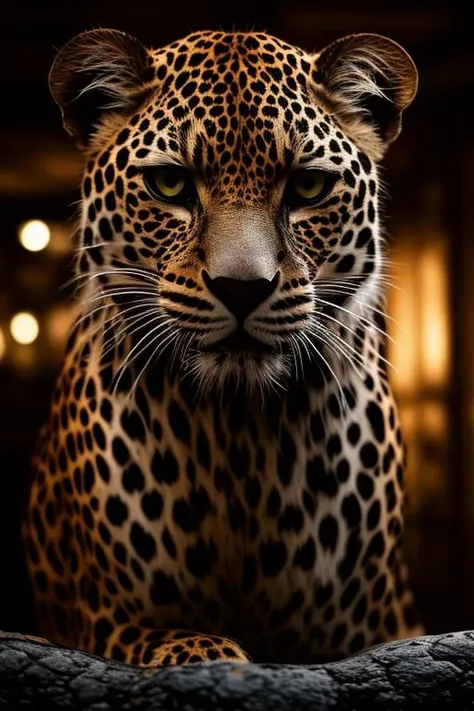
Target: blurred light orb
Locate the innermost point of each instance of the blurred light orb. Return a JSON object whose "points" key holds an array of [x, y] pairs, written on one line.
{"points": [[3, 345], [34, 235], [24, 328]]}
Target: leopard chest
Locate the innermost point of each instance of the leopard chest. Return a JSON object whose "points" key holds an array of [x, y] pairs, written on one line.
{"points": [[222, 518]]}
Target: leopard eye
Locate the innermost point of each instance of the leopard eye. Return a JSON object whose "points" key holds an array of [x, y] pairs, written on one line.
{"points": [[309, 187], [170, 183]]}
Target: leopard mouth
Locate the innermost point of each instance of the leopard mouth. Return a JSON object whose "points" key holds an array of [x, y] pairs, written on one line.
{"points": [[239, 341]]}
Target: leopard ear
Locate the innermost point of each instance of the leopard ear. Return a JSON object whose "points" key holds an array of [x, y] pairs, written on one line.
{"points": [[368, 76], [98, 72]]}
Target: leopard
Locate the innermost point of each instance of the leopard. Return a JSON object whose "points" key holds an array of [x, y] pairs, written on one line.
{"points": [[221, 476]]}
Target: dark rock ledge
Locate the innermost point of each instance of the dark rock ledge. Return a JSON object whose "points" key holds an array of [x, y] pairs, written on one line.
{"points": [[427, 672]]}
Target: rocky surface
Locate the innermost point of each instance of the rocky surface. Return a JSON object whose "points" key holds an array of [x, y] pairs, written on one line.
{"points": [[427, 672]]}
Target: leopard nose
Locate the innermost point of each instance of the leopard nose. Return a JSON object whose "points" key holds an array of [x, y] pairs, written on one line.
{"points": [[241, 296]]}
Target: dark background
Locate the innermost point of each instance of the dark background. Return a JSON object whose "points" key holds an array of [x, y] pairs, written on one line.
{"points": [[429, 176]]}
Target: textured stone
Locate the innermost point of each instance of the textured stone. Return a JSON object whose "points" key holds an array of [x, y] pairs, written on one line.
{"points": [[427, 672]]}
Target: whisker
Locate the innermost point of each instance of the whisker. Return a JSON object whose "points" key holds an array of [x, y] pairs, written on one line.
{"points": [[132, 326], [344, 326], [161, 344], [357, 317], [350, 292], [128, 359], [339, 350], [323, 358], [342, 346], [121, 271], [382, 278], [119, 312], [177, 344], [146, 299], [86, 247], [296, 355]]}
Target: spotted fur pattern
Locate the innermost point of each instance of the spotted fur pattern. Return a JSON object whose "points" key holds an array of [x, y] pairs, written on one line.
{"points": [[188, 480]]}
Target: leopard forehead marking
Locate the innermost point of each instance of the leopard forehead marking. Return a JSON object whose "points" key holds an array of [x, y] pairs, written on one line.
{"points": [[241, 110]]}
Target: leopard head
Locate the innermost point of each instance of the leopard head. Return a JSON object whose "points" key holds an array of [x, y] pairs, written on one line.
{"points": [[230, 193]]}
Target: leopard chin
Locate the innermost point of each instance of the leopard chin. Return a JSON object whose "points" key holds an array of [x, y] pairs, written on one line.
{"points": [[254, 372]]}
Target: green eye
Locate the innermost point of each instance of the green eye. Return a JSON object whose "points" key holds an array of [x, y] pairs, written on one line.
{"points": [[170, 183], [309, 187]]}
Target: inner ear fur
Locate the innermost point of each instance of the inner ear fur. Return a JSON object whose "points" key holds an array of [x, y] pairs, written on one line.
{"points": [[368, 76], [97, 72]]}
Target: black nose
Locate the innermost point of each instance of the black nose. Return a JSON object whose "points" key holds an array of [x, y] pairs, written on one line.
{"points": [[240, 296]]}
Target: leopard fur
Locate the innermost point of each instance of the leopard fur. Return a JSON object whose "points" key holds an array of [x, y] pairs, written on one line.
{"points": [[221, 475]]}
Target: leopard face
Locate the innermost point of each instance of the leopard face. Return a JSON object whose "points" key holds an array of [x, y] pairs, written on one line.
{"points": [[230, 194]]}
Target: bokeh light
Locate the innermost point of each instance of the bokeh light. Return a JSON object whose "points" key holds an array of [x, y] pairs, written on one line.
{"points": [[24, 328], [3, 344], [34, 235]]}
